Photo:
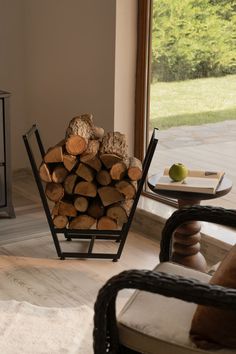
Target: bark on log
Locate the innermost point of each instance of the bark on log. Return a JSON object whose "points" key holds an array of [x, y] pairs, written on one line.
{"points": [[81, 204], [44, 173], [54, 154], [91, 151], [120, 212], [87, 189], [85, 172], [95, 163], [109, 160], [106, 223], [82, 222], [69, 183], [126, 188], [109, 195], [118, 171], [98, 133], [59, 174], [114, 143], [67, 209], [76, 144], [96, 209], [103, 177], [83, 125], [60, 221], [135, 169], [69, 161], [54, 191]]}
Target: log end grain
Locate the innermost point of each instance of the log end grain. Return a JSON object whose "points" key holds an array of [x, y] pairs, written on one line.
{"points": [[82, 222], [76, 144], [86, 189], [60, 221], [54, 191], [106, 223]]}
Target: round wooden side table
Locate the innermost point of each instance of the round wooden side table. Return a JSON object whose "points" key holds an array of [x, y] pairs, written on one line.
{"points": [[187, 237]]}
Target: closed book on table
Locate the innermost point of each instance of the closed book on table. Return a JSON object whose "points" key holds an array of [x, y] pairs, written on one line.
{"points": [[197, 181]]}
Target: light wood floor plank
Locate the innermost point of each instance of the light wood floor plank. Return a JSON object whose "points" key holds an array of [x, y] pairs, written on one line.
{"points": [[31, 271]]}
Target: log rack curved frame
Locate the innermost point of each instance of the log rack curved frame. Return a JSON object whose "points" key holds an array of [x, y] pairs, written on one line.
{"points": [[117, 235]]}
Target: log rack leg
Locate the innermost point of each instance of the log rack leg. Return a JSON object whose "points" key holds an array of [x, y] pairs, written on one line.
{"points": [[186, 245]]}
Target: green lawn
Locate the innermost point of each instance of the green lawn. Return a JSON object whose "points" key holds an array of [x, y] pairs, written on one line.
{"points": [[193, 102]]}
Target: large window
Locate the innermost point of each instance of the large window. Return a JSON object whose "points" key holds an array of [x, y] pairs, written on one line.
{"points": [[186, 84]]}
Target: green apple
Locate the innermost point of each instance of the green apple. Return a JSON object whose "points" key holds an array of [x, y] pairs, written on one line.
{"points": [[178, 172]]}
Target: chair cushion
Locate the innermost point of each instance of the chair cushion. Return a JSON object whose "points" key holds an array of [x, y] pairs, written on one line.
{"points": [[153, 324], [212, 327]]}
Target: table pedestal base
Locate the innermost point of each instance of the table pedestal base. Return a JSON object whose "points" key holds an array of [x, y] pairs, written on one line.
{"points": [[186, 245]]}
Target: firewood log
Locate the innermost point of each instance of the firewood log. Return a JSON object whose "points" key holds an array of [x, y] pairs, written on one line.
{"points": [[55, 209], [120, 212], [90, 173], [81, 204], [69, 183], [82, 222], [60, 221], [134, 184], [98, 133], [91, 151], [76, 144], [109, 195], [117, 213], [96, 209], [126, 188], [114, 143], [135, 169], [44, 173], [95, 163], [87, 189], [69, 161], [127, 205], [109, 160], [59, 174], [83, 125], [54, 191], [106, 223], [55, 154], [118, 171], [103, 177], [85, 172], [67, 209]]}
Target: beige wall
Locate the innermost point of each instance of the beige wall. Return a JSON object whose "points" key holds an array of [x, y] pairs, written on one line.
{"points": [[12, 74], [71, 53], [125, 68], [61, 59]]}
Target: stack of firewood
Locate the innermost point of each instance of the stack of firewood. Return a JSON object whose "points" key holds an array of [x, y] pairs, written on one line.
{"points": [[90, 178]]}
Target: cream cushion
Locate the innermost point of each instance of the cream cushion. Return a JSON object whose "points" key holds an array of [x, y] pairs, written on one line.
{"points": [[153, 324]]}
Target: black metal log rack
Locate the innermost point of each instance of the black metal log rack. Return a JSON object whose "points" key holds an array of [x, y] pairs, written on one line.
{"points": [[119, 236]]}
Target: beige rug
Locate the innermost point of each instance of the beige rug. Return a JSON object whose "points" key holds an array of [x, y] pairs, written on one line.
{"points": [[27, 329]]}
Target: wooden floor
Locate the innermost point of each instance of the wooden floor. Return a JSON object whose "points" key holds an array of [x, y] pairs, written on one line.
{"points": [[29, 267]]}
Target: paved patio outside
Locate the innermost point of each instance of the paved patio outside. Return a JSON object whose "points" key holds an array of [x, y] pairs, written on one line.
{"points": [[208, 146]]}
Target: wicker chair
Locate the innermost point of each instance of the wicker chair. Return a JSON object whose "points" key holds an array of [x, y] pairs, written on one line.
{"points": [[156, 301]]}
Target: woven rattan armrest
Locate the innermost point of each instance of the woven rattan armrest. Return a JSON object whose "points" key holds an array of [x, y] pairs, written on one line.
{"points": [[106, 338], [216, 215]]}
